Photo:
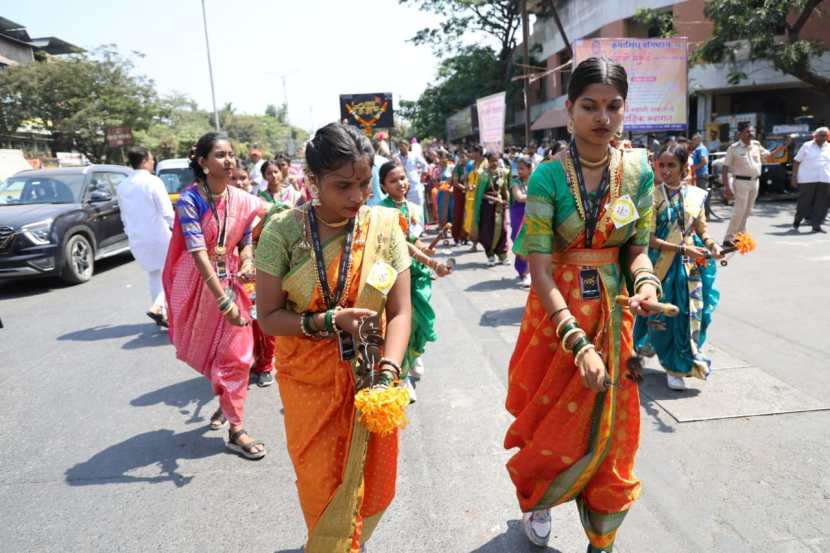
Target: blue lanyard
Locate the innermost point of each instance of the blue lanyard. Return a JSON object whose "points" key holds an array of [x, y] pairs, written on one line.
{"points": [[591, 206], [331, 301]]}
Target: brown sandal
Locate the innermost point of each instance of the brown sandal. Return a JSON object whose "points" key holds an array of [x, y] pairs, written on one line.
{"points": [[217, 420], [246, 450]]}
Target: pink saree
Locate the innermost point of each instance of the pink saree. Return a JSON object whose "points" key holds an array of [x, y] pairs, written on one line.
{"points": [[222, 352]]}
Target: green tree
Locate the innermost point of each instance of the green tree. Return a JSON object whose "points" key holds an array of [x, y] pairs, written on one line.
{"points": [[470, 74], [498, 19], [772, 29], [177, 127], [658, 22], [77, 98], [280, 113]]}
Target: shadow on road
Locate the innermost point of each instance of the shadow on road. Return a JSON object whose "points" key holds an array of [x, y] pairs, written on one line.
{"points": [[656, 414], [13, 289], [772, 208], [145, 335], [502, 317], [472, 265], [513, 540], [493, 285], [298, 550], [21, 288], [181, 395], [160, 448], [653, 389]]}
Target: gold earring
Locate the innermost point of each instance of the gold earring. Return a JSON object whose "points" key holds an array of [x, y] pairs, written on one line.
{"points": [[315, 196], [570, 126], [619, 133]]}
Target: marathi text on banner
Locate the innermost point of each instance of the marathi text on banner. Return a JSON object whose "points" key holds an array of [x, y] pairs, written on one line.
{"points": [[657, 78], [491, 111]]}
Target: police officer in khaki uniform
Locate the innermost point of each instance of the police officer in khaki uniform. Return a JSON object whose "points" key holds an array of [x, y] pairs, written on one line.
{"points": [[744, 158]]}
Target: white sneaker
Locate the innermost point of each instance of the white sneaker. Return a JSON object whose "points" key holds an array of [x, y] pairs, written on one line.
{"points": [[491, 261], [417, 370], [675, 382], [525, 282], [411, 390], [536, 525]]}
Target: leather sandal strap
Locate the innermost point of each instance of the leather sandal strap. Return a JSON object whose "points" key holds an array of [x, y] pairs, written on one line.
{"points": [[234, 436], [250, 447]]}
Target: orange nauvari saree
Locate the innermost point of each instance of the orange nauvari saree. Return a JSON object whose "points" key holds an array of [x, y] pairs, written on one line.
{"points": [[574, 443], [345, 475]]}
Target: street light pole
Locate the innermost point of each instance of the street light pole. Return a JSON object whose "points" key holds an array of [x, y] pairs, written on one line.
{"points": [[210, 70]]}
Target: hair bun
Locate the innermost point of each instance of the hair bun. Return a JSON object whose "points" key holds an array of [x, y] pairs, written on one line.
{"points": [[191, 155]]}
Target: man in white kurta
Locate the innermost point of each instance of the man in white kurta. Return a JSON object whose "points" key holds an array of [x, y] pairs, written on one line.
{"points": [[147, 214], [260, 183]]}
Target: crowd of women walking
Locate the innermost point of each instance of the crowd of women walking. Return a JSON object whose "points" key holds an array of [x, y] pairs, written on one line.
{"points": [[299, 273]]}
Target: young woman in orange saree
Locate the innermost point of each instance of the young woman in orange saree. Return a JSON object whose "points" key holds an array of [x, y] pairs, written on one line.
{"points": [[322, 269], [588, 219]]}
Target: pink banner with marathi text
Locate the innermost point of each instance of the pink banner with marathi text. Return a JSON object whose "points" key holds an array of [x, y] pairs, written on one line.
{"points": [[657, 78], [491, 111]]}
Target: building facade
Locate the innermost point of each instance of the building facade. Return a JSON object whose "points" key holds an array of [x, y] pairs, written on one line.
{"points": [[18, 48], [764, 95]]}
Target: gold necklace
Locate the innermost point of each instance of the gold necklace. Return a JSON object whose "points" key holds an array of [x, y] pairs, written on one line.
{"points": [[593, 164], [339, 224]]}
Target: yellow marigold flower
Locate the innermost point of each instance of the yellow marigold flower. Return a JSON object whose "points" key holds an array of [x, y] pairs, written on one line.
{"points": [[382, 410]]}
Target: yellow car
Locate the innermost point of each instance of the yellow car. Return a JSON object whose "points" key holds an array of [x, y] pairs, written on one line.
{"points": [[176, 175]]}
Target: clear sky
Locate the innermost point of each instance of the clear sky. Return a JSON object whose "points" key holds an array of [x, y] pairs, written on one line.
{"points": [[323, 47]]}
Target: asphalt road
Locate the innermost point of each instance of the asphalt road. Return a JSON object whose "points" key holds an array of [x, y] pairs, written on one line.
{"points": [[106, 446]]}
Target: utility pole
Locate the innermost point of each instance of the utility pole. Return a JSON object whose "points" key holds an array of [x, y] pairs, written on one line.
{"points": [[526, 87], [210, 69], [285, 95]]}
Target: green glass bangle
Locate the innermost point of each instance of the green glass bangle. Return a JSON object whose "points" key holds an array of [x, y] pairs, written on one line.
{"points": [[581, 343], [308, 323], [567, 328], [330, 321], [304, 325]]}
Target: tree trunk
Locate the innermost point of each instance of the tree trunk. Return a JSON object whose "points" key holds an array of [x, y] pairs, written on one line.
{"points": [[822, 84]]}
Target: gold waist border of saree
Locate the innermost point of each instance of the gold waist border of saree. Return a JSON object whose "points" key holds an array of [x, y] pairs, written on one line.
{"points": [[587, 257]]}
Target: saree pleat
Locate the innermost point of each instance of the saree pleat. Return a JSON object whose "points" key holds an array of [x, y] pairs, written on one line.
{"points": [[575, 443]]}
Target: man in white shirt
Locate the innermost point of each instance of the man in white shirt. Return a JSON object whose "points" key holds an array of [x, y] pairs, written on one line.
{"points": [[260, 183], [147, 215], [811, 175], [413, 165]]}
